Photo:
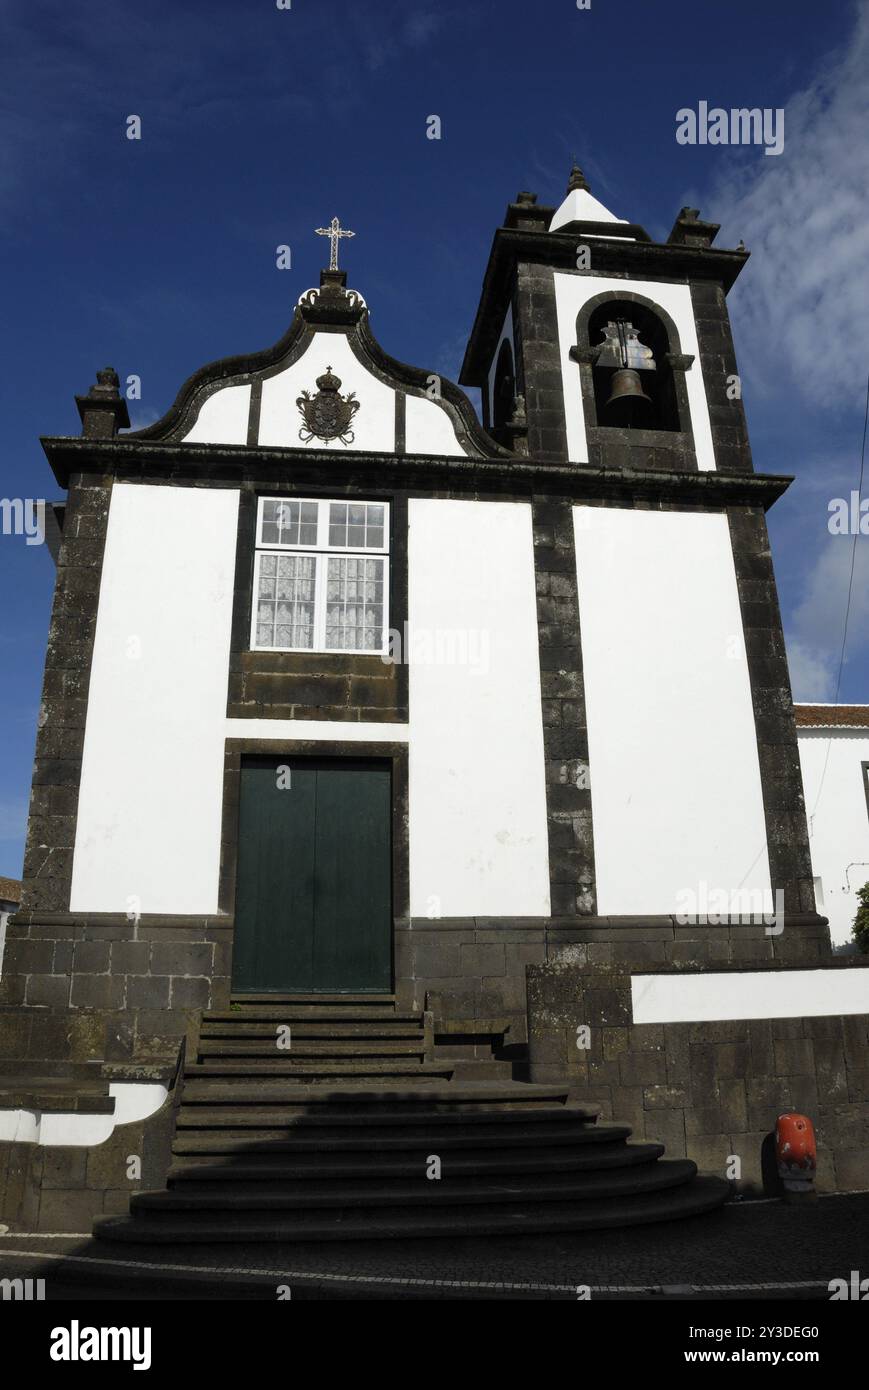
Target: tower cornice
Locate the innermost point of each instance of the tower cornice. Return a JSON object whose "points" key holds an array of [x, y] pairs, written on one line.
{"points": [[613, 252]]}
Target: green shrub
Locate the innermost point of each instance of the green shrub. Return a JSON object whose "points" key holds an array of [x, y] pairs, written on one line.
{"points": [[861, 921]]}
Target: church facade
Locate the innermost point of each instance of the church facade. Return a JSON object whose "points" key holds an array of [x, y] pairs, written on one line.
{"points": [[349, 693]]}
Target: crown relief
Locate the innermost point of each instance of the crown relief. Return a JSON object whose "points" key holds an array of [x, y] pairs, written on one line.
{"points": [[327, 415]]}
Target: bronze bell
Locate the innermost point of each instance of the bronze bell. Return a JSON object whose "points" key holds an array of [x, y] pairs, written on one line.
{"points": [[628, 403]]}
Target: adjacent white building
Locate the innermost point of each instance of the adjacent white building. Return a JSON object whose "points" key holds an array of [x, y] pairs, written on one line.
{"points": [[834, 754], [10, 897]]}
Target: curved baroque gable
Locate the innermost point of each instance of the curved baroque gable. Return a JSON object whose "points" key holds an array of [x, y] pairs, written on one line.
{"points": [[270, 399]]}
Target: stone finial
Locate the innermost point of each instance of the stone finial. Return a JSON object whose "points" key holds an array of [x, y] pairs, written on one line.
{"points": [[103, 411], [333, 280], [689, 229], [526, 200], [577, 182]]}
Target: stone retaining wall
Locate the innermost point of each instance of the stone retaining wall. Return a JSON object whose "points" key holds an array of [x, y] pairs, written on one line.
{"points": [[62, 1188], [707, 1091], [474, 967]]}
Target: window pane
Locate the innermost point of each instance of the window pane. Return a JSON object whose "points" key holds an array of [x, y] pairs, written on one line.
{"points": [[359, 525], [308, 523], [288, 521], [354, 604], [269, 532], [338, 523], [285, 602]]}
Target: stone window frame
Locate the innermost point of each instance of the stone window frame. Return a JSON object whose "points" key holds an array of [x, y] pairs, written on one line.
{"points": [[320, 552], [681, 440]]}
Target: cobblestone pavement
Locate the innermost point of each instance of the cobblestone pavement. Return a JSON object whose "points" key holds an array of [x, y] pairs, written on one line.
{"points": [[750, 1249]]}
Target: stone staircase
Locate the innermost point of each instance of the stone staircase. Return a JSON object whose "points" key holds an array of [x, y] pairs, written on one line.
{"points": [[332, 1137]]}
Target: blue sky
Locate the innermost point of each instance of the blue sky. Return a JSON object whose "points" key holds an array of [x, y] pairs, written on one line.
{"points": [[258, 124]]}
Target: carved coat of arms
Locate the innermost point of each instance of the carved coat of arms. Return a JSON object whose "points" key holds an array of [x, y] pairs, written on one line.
{"points": [[327, 415]]}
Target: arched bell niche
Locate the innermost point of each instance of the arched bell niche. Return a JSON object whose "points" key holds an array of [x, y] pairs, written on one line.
{"points": [[632, 376], [503, 387]]}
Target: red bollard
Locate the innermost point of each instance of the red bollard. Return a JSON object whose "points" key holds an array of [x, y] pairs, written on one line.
{"points": [[797, 1154]]}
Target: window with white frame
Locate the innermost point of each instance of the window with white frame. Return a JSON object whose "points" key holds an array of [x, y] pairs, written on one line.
{"points": [[321, 575]]}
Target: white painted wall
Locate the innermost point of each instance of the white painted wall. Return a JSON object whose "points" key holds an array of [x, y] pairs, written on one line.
{"points": [[749, 994], [152, 772], [838, 821], [5, 914], [571, 293], [223, 418], [478, 831], [675, 779], [506, 332], [582, 206], [134, 1100], [429, 429], [280, 420]]}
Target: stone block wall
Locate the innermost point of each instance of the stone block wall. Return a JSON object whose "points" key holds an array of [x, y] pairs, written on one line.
{"points": [[468, 968], [475, 967], [705, 1090], [63, 1188], [103, 989]]}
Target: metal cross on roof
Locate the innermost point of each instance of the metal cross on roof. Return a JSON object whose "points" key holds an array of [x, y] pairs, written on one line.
{"points": [[334, 232]]}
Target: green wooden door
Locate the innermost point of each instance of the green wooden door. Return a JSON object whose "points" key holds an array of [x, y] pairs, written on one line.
{"points": [[313, 904]]}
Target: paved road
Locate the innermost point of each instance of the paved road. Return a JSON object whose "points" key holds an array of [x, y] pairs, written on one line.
{"points": [[749, 1249]]}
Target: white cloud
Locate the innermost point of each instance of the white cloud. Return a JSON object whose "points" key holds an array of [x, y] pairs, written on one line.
{"points": [[813, 676], [815, 630], [803, 301]]}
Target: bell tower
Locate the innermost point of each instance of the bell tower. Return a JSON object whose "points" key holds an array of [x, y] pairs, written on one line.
{"points": [[605, 359], [596, 345]]}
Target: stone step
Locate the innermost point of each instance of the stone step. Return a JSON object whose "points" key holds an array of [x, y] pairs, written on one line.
{"points": [[471, 1069], [472, 1027], [322, 1000], [433, 1139], [310, 1013], [272, 1069], [409, 1094], [223, 1048], [486, 1139], [452, 1221], [349, 1029], [251, 1167], [199, 1119], [461, 1189], [57, 1095]]}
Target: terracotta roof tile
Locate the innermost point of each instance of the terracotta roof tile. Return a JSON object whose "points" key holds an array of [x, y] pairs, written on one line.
{"points": [[10, 890], [832, 716]]}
